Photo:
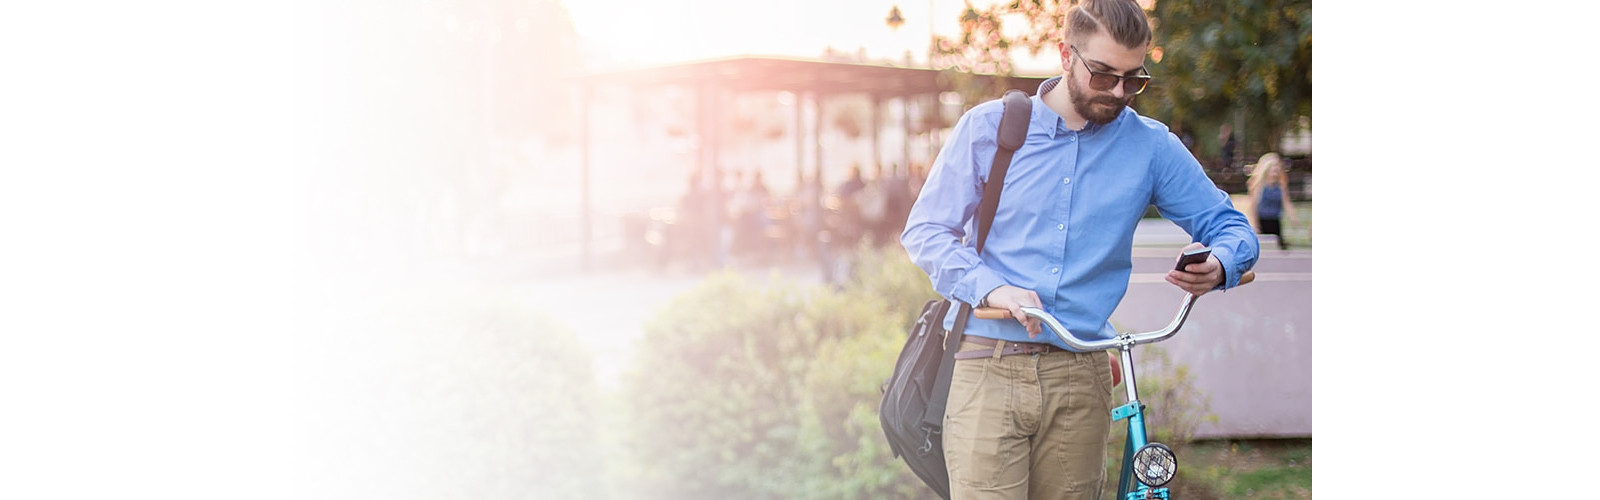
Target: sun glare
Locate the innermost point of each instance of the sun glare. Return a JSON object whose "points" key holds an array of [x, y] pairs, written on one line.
{"points": [[637, 32]]}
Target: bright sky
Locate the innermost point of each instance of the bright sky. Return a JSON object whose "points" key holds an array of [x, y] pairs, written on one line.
{"points": [[643, 32]]}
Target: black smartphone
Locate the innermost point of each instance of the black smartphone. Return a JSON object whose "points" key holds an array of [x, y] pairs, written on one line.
{"points": [[1195, 256]]}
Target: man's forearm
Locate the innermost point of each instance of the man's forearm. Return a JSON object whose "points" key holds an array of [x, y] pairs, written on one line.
{"points": [[954, 269]]}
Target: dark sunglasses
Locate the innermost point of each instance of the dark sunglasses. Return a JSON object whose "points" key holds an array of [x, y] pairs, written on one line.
{"points": [[1104, 81]]}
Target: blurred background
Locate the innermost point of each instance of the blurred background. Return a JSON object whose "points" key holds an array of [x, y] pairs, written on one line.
{"points": [[574, 248], [587, 249]]}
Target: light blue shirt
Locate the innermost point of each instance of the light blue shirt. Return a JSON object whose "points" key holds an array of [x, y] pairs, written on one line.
{"points": [[1064, 227]]}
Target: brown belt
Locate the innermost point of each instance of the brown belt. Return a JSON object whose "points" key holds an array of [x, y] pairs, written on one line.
{"points": [[1009, 349]]}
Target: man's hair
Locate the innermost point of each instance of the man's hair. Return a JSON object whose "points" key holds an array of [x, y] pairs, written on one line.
{"points": [[1124, 20]]}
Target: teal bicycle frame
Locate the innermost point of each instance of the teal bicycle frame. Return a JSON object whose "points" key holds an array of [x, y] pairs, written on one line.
{"points": [[1152, 464]]}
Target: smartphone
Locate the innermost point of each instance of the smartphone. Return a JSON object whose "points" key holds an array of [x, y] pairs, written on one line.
{"points": [[1195, 256]]}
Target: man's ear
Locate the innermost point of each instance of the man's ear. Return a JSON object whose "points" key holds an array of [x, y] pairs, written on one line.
{"points": [[1066, 56]]}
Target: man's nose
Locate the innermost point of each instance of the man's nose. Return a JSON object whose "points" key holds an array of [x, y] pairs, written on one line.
{"points": [[1116, 90]]}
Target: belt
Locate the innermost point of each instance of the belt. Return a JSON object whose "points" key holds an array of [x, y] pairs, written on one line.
{"points": [[1009, 349]]}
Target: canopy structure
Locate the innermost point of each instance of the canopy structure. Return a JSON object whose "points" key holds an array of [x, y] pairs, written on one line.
{"points": [[744, 74], [810, 80]]}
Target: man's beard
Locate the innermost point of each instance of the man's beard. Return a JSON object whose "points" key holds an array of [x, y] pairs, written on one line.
{"points": [[1089, 107]]}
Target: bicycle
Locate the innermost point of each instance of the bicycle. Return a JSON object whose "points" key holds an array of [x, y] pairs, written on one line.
{"points": [[1153, 464]]}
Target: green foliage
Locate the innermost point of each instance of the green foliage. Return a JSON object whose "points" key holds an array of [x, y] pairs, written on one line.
{"points": [[1246, 62], [1243, 62], [979, 49], [1249, 470], [710, 400], [889, 274], [1267, 480], [1173, 410], [771, 390]]}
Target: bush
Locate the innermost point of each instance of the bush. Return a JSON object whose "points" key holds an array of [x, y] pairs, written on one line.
{"points": [[1173, 410], [771, 391], [712, 404], [752, 390]]}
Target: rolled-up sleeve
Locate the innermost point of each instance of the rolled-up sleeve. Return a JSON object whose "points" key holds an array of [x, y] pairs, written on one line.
{"points": [[1191, 200], [943, 212]]}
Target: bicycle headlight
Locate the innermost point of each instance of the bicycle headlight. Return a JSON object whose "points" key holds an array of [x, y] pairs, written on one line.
{"points": [[1154, 464]]}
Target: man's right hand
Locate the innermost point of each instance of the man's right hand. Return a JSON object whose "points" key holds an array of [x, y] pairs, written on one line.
{"points": [[1013, 299]]}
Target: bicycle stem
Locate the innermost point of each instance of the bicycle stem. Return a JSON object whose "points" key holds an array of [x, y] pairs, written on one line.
{"points": [[1128, 382]]}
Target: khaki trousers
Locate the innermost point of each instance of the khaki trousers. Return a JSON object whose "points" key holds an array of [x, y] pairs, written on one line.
{"points": [[1028, 426]]}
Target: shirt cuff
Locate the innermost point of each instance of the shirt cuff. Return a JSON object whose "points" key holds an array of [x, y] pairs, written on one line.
{"points": [[1230, 269], [982, 282]]}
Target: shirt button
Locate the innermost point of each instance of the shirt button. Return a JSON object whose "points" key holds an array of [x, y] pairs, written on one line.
{"points": [[1066, 181], [1055, 270], [1060, 227]]}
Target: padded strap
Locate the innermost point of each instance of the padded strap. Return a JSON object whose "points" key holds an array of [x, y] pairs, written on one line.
{"points": [[1012, 133]]}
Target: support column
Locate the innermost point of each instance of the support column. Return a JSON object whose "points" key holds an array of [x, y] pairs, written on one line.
{"points": [[877, 130], [586, 219], [799, 143], [905, 143], [816, 134]]}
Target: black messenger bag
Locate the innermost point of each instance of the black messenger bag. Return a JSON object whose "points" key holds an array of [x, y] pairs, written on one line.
{"points": [[912, 411]]}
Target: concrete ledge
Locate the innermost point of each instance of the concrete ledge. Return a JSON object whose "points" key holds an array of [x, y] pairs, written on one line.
{"points": [[1248, 350]]}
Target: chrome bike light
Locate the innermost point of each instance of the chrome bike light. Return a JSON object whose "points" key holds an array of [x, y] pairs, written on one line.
{"points": [[1154, 464]]}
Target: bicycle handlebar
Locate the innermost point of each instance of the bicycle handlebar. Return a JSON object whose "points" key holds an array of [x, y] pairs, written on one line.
{"points": [[1126, 339]]}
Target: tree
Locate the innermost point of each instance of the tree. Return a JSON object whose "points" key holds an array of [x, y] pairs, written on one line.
{"points": [[1246, 62]]}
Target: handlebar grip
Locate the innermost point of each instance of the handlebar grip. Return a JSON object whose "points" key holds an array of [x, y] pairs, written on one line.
{"points": [[991, 313]]}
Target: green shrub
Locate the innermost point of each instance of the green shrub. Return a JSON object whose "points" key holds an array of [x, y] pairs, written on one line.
{"points": [[780, 384], [1173, 410], [771, 390], [712, 403]]}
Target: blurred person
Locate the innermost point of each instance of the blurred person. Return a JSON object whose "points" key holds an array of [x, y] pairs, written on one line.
{"points": [[713, 205], [1227, 143], [1185, 137], [809, 217], [855, 183], [897, 198], [752, 216], [850, 227], [1269, 197], [758, 187], [1061, 240], [686, 235], [919, 176], [725, 191], [873, 202]]}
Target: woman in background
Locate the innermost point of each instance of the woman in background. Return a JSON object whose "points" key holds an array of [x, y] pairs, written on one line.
{"points": [[1269, 188]]}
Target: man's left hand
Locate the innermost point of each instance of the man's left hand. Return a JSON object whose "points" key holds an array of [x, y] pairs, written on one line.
{"points": [[1198, 278]]}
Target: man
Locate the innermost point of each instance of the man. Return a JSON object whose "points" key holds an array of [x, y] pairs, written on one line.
{"points": [[1225, 139], [1036, 425]]}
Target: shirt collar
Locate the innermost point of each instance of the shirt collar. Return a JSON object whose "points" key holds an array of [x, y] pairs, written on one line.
{"points": [[1043, 116], [1053, 122]]}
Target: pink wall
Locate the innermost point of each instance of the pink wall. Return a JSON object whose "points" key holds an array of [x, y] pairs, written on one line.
{"points": [[1248, 349]]}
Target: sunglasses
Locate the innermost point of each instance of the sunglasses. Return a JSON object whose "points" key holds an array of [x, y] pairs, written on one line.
{"points": [[1104, 81]]}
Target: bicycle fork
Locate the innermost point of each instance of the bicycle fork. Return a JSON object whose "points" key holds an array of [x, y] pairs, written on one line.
{"points": [[1155, 464]]}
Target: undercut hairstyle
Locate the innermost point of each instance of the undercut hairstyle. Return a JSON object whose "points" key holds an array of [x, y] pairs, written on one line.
{"points": [[1124, 20]]}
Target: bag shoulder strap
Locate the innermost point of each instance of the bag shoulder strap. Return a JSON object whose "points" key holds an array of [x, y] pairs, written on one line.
{"points": [[1012, 133]]}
